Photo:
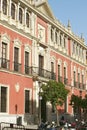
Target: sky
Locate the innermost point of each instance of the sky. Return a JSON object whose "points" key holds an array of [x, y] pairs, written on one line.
{"points": [[73, 10]]}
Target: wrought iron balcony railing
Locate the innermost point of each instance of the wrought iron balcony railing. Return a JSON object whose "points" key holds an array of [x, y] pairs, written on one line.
{"points": [[65, 81], [4, 63], [60, 79], [17, 67], [43, 73]]}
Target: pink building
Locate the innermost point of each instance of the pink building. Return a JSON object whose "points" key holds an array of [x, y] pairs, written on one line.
{"points": [[35, 48]]}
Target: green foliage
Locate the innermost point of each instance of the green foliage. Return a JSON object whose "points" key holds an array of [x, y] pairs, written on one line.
{"points": [[77, 101], [55, 92]]}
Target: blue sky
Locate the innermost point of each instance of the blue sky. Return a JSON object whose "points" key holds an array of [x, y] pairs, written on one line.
{"points": [[73, 10]]}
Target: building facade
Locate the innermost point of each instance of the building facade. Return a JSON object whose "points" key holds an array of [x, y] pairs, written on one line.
{"points": [[35, 48]]}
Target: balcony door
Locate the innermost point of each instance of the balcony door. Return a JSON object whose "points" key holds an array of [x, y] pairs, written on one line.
{"points": [[41, 64], [4, 55]]}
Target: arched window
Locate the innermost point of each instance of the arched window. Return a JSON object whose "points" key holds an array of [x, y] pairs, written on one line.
{"points": [[27, 19], [20, 15], [4, 7], [13, 11]]}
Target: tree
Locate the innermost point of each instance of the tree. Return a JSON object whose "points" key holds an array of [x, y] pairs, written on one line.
{"points": [[55, 92], [76, 102]]}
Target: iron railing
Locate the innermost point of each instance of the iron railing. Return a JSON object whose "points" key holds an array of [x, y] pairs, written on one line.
{"points": [[40, 72], [4, 63], [17, 67]]}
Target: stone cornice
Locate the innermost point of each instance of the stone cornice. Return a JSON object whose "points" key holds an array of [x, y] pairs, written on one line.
{"points": [[67, 56]]}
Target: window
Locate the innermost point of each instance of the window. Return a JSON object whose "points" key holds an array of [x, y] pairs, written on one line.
{"points": [[51, 34], [4, 50], [74, 77], [79, 80], [60, 39], [56, 37], [41, 63], [64, 72], [73, 47], [4, 54], [27, 101], [20, 15], [4, 7], [3, 99], [59, 77], [79, 77], [26, 62], [65, 80], [52, 71], [64, 41], [27, 19], [52, 67], [82, 79], [13, 11], [16, 58]]}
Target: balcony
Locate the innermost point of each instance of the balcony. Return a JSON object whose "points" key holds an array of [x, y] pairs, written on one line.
{"points": [[65, 81], [28, 70], [75, 84], [4, 63], [60, 78], [43, 73], [17, 67], [83, 86]]}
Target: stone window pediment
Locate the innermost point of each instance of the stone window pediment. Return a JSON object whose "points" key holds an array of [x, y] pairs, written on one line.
{"points": [[5, 38]]}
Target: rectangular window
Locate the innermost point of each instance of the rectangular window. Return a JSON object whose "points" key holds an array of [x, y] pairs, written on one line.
{"points": [[60, 39], [65, 79], [3, 99], [59, 77], [52, 67], [56, 37], [58, 70], [4, 50], [41, 63], [82, 79], [16, 59], [4, 55], [74, 77], [52, 35], [64, 41], [26, 62], [79, 80], [52, 71], [27, 101], [64, 72]]}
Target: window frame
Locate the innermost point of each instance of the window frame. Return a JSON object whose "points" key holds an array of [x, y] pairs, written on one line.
{"points": [[27, 19], [7, 96], [20, 15], [4, 7], [30, 104], [13, 11]]}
